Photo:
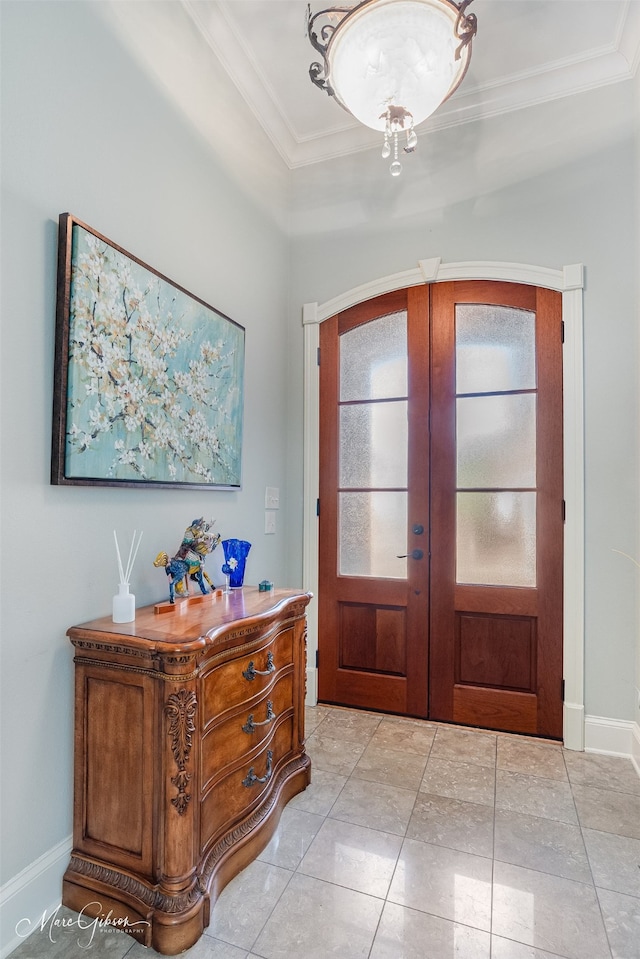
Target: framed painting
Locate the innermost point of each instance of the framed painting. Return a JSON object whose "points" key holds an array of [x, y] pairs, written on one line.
{"points": [[148, 384]]}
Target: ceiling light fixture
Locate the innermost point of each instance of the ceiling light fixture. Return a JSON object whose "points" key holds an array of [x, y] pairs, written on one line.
{"points": [[392, 63]]}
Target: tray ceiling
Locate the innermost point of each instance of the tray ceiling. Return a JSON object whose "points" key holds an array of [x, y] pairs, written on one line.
{"points": [[526, 52]]}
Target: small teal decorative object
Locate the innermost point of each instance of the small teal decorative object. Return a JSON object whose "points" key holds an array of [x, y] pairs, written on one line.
{"points": [[235, 556], [265, 586]]}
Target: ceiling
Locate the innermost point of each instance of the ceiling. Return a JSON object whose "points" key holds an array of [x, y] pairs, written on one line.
{"points": [[526, 52]]}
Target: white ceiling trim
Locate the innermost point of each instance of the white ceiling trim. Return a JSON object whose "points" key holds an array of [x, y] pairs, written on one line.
{"points": [[629, 36], [236, 60], [596, 68]]}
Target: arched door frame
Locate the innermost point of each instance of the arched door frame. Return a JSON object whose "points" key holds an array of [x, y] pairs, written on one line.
{"points": [[570, 282]]}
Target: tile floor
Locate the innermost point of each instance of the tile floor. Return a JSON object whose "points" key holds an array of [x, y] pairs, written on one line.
{"points": [[426, 841]]}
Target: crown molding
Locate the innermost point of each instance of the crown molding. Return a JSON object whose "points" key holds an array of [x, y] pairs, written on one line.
{"points": [[599, 67], [235, 57]]}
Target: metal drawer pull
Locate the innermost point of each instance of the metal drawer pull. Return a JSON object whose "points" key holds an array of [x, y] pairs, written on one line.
{"points": [[251, 672], [251, 779], [250, 726]]}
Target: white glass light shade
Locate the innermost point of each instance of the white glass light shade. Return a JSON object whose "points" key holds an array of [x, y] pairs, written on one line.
{"points": [[396, 53]]}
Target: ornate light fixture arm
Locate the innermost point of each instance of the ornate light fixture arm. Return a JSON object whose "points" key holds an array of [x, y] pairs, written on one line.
{"points": [[319, 72], [466, 27]]}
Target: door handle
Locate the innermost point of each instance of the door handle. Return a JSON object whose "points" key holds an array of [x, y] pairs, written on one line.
{"points": [[414, 554]]}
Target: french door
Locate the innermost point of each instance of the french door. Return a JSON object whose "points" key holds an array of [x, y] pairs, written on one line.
{"points": [[440, 564]]}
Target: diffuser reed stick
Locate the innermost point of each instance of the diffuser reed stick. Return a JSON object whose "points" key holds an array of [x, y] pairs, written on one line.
{"points": [[125, 573]]}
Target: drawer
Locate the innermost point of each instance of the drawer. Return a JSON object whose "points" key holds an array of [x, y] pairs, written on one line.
{"points": [[232, 683], [239, 734], [241, 789]]}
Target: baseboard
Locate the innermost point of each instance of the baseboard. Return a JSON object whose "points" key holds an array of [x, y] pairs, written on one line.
{"points": [[611, 736], [312, 688], [635, 747], [573, 726], [33, 893]]}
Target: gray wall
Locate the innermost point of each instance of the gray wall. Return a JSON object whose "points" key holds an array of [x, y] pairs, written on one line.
{"points": [[84, 130]]}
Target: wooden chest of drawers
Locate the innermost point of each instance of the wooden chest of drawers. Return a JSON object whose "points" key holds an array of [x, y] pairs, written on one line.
{"points": [[189, 740]]}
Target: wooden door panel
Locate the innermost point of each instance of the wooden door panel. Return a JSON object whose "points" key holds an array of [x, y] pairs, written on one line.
{"points": [[374, 691], [489, 599], [496, 650], [425, 644], [496, 709], [373, 638], [372, 643]]}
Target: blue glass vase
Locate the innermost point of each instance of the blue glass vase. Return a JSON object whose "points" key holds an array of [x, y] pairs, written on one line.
{"points": [[235, 557]]}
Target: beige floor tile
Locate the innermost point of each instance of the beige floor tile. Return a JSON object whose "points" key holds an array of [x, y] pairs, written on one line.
{"points": [[216, 950], [411, 934], [321, 793], [463, 745], [615, 861], [548, 912], [534, 796], [350, 726], [313, 716], [293, 837], [622, 922], [405, 735], [508, 949], [377, 805], [542, 844], [443, 882], [450, 822], [390, 766], [205, 948], [319, 920], [333, 755], [592, 769], [353, 856], [245, 904], [532, 758], [458, 780], [608, 811]]}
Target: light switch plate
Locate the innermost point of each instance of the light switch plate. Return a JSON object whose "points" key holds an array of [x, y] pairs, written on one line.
{"points": [[269, 521], [272, 497]]}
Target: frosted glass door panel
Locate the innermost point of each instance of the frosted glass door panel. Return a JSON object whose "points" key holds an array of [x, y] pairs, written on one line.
{"points": [[372, 533], [495, 349], [496, 441], [373, 444], [496, 538], [373, 359]]}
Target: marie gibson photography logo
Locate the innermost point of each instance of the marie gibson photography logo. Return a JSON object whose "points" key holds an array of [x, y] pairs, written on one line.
{"points": [[55, 926]]}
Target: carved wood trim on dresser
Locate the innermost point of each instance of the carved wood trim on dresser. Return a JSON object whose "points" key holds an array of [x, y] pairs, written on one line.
{"points": [[189, 741]]}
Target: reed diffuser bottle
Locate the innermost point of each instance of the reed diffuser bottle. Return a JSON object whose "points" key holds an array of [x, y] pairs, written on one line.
{"points": [[124, 602]]}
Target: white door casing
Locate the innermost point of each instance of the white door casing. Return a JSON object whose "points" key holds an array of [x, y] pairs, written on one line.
{"points": [[570, 282]]}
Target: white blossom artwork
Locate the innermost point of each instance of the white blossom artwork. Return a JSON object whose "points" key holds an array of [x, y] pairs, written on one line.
{"points": [[154, 385]]}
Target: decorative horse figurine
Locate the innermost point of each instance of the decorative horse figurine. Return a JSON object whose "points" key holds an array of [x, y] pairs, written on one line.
{"points": [[197, 542], [179, 571]]}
